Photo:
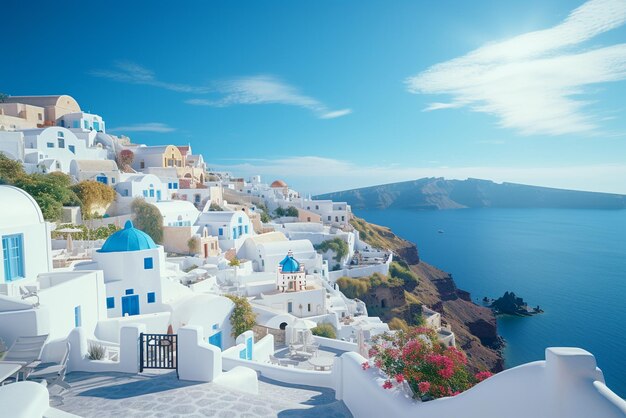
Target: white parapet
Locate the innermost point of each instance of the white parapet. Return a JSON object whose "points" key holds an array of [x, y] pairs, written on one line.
{"points": [[567, 384]]}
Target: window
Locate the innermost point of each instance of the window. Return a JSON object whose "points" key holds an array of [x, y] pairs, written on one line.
{"points": [[148, 263], [169, 185], [246, 229], [112, 179], [145, 193], [151, 192], [61, 142], [329, 218], [309, 307], [130, 291], [50, 144], [110, 303], [13, 255], [72, 148], [317, 207], [240, 220], [343, 218], [76, 124], [151, 297], [220, 231], [40, 116], [78, 320], [142, 164], [60, 134], [175, 185], [234, 233], [85, 124], [289, 307]]}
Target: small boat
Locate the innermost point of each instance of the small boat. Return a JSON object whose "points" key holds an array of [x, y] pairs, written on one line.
{"points": [[440, 231]]}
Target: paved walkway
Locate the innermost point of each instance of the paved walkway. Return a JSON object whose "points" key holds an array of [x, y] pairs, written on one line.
{"points": [[163, 395]]}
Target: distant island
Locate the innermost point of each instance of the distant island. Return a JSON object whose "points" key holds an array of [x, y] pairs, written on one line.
{"points": [[510, 304], [439, 193]]}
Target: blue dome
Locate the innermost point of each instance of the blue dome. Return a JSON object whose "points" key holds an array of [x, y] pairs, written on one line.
{"points": [[289, 265], [128, 239]]}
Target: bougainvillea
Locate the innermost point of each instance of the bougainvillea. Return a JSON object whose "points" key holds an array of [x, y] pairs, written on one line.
{"points": [[430, 369]]}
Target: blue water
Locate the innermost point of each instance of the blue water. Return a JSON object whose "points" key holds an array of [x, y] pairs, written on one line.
{"points": [[570, 262]]}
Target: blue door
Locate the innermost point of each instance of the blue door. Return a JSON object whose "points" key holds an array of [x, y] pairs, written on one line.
{"points": [[102, 179], [130, 305], [158, 195], [216, 339]]}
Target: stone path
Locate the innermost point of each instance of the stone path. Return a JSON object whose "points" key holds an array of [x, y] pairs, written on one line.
{"points": [[163, 395]]}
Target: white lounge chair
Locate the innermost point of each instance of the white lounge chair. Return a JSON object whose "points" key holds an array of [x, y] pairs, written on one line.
{"points": [[26, 351], [53, 374]]}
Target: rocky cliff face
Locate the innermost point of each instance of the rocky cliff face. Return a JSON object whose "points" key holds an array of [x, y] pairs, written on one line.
{"points": [[473, 325]]}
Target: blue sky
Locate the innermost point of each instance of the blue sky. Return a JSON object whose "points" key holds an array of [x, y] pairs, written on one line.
{"points": [[331, 95]]}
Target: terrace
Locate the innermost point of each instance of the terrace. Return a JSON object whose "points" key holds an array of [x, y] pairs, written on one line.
{"points": [[161, 394]]}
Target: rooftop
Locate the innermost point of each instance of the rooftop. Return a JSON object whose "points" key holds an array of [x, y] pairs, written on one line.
{"points": [[128, 239]]}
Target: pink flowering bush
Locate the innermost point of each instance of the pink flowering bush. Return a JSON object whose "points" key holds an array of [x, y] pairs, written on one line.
{"points": [[430, 369]]}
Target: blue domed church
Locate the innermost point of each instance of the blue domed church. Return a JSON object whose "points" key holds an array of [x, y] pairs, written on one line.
{"points": [[133, 268], [291, 276]]}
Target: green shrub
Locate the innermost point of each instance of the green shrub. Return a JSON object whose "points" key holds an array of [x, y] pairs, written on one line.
{"points": [[336, 245], [242, 318], [324, 330], [95, 352], [353, 288], [148, 219]]}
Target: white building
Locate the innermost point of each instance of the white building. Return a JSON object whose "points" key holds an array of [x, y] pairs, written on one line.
{"points": [[134, 274], [295, 293], [54, 149], [232, 228], [177, 212], [103, 171], [83, 121], [34, 299], [332, 213], [147, 186], [12, 145]]}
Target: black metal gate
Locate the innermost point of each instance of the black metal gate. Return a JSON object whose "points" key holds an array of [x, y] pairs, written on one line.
{"points": [[158, 351]]}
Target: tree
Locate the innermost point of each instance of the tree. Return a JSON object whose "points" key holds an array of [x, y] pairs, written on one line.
{"points": [[265, 218], [193, 244], [291, 212], [279, 212], [10, 170], [92, 194], [4, 97], [235, 262], [50, 191], [242, 318], [336, 245], [214, 207], [124, 160], [148, 219], [324, 330]]}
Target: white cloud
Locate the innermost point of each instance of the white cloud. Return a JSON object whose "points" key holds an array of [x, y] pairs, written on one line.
{"points": [[128, 72], [265, 89], [260, 89], [533, 82], [144, 127], [312, 174]]}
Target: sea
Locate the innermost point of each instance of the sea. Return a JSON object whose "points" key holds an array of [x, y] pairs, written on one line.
{"points": [[572, 263]]}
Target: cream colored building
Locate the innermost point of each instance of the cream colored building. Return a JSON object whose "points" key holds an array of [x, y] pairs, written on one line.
{"points": [[36, 111]]}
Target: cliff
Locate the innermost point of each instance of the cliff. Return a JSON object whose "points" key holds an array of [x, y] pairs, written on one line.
{"points": [[439, 193], [473, 325]]}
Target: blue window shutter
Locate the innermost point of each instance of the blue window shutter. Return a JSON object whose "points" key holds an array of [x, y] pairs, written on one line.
{"points": [[13, 256], [78, 320], [151, 297], [110, 303], [130, 291], [148, 263]]}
